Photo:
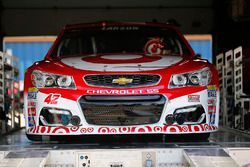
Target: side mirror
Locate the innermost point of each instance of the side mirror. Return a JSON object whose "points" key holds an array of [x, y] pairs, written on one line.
{"points": [[198, 55]]}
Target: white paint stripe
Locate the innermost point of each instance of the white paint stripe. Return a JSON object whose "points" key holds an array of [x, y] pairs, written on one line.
{"points": [[164, 62]]}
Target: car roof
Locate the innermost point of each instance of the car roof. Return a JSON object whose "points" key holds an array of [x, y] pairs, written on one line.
{"points": [[70, 27], [114, 23]]}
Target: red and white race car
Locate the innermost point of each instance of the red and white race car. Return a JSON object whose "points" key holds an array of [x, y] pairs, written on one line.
{"points": [[111, 78]]}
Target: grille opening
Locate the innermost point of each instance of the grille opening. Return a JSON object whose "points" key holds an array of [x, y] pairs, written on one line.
{"points": [[135, 80], [132, 110]]}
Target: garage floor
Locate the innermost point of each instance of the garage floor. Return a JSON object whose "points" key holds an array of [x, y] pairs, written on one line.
{"points": [[224, 138]]}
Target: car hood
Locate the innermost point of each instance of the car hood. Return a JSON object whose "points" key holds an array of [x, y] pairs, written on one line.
{"points": [[121, 62]]}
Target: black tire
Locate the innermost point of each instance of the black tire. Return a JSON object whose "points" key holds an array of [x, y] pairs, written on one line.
{"points": [[201, 137], [204, 136], [48, 138], [182, 138], [34, 137]]}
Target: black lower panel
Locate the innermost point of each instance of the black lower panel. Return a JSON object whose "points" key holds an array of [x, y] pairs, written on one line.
{"points": [[122, 110]]}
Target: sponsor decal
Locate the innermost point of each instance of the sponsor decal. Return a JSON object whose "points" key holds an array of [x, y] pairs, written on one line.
{"points": [[52, 98], [31, 121], [193, 98], [119, 28], [123, 130], [32, 95], [100, 63], [32, 111], [123, 92], [212, 119], [211, 109], [155, 46], [33, 89], [211, 87], [31, 103], [211, 93], [211, 90], [211, 101]]}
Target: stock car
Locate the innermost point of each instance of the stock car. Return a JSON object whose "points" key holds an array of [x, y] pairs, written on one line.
{"points": [[117, 78]]}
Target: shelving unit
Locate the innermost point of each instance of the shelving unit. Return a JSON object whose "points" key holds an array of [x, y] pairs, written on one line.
{"points": [[2, 112], [10, 106], [16, 96], [234, 102]]}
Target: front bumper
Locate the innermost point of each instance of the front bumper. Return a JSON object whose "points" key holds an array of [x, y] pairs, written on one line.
{"points": [[209, 102]]}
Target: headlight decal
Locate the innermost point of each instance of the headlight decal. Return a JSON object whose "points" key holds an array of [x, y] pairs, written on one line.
{"points": [[196, 78], [48, 80], [64, 81], [179, 79]]}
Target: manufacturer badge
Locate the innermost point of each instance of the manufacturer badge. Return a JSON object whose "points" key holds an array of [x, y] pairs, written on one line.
{"points": [[122, 81]]}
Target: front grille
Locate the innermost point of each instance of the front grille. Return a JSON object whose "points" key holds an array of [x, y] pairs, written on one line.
{"points": [[122, 110], [136, 80]]}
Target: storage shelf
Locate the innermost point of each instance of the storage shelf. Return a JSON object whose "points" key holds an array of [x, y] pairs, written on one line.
{"points": [[9, 97]]}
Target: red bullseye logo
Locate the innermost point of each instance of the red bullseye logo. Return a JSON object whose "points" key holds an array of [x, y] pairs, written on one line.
{"points": [[120, 59], [155, 47], [123, 62]]}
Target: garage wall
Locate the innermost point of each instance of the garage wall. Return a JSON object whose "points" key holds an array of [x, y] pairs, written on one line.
{"points": [[50, 21], [203, 47], [28, 53], [46, 17]]}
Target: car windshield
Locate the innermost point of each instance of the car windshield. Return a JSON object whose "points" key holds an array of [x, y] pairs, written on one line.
{"points": [[120, 39]]}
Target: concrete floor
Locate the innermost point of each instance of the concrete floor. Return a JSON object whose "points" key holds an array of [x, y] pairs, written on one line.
{"points": [[17, 149]]}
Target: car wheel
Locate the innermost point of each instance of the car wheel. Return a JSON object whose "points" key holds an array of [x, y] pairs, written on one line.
{"points": [[34, 137], [200, 137]]}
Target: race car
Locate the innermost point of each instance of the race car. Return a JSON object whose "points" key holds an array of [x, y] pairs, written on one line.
{"points": [[117, 78]]}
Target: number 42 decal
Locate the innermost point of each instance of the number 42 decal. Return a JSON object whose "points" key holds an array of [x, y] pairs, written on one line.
{"points": [[52, 98]]}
